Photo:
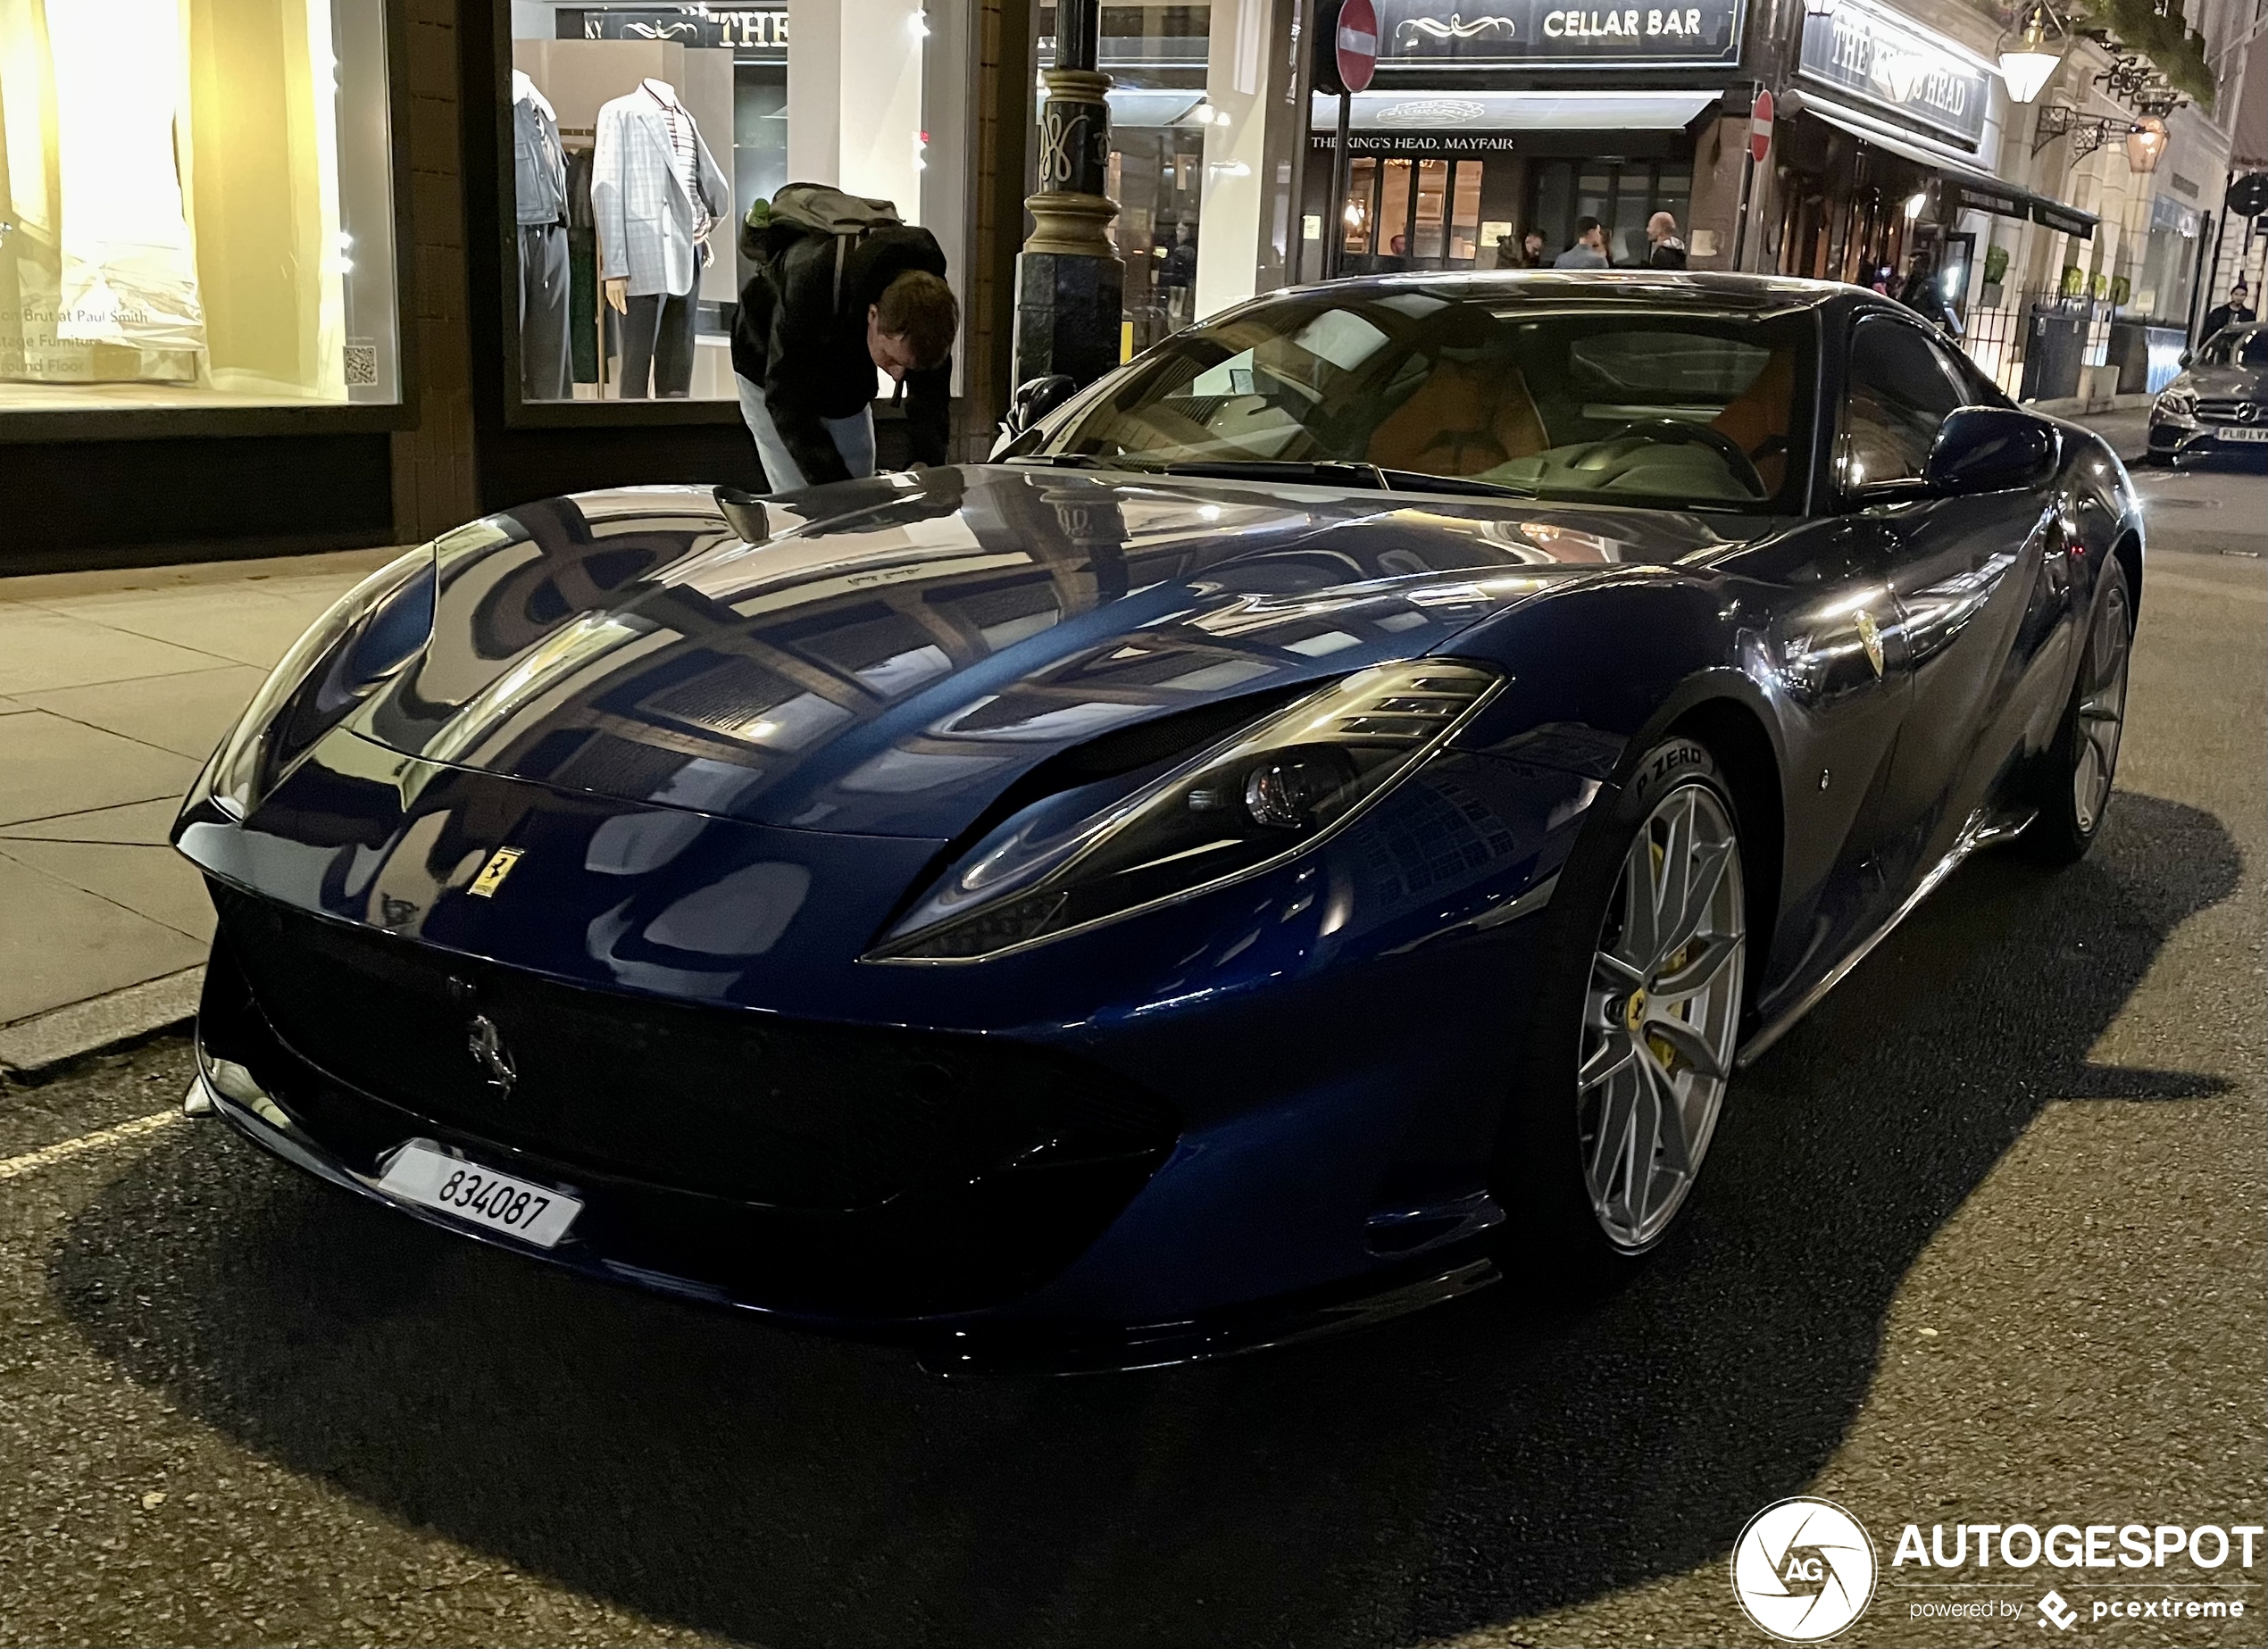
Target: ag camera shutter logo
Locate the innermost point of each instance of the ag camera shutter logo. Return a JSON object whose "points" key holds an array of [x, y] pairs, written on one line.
{"points": [[1804, 1569]]}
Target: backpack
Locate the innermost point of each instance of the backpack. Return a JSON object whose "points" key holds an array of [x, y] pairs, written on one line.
{"points": [[801, 209]]}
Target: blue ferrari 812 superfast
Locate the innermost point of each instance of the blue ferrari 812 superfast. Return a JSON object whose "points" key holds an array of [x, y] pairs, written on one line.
{"points": [[1321, 820]]}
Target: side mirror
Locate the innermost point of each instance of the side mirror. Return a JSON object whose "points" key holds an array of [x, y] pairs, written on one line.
{"points": [[1035, 398], [1992, 449], [2188, 356], [744, 513]]}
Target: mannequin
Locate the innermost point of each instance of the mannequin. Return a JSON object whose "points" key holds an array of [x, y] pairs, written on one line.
{"points": [[539, 180], [657, 192]]}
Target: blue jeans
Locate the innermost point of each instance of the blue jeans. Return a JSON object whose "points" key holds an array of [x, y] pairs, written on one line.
{"points": [[854, 438]]}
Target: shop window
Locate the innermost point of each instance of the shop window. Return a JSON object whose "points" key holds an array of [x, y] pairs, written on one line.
{"points": [[644, 134], [1464, 216], [1415, 215], [197, 205], [1621, 194]]}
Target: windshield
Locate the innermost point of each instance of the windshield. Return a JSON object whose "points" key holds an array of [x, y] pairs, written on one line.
{"points": [[2234, 349], [1595, 403]]}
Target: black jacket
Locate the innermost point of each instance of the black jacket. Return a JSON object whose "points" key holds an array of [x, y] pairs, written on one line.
{"points": [[808, 353]]}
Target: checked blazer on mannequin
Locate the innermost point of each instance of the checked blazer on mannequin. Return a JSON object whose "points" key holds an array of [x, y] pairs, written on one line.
{"points": [[647, 222]]}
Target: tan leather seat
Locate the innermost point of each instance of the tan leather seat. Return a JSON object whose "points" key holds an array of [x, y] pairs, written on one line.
{"points": [[1756, 418], [1463, 419]]}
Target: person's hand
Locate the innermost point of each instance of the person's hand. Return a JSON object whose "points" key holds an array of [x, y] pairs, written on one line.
{"points": [[618, 294]]}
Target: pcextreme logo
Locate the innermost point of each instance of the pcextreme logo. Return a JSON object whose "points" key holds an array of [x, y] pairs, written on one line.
{"points": [[1804, 1569]]}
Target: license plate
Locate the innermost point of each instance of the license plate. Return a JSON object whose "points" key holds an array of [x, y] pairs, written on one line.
{"points": [[479, 1195], [2241, 433]]}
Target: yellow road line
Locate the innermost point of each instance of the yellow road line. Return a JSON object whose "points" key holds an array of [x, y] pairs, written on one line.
{"points": [[63, 1150]]}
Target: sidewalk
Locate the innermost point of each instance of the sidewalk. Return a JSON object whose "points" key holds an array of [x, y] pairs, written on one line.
{"points": [[114, 686]]}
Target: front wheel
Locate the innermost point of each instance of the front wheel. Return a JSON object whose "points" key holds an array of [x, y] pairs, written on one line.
{"points": [[2075, 781], [1636, 1024]]}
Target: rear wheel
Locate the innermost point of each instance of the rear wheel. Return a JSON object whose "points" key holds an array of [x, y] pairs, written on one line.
{"points": [[2075, 782], [1636, 1024]]}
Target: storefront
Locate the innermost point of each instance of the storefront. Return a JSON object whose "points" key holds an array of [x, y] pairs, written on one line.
{"points": [[200, 229], [1890, 163], [1528, 115]]}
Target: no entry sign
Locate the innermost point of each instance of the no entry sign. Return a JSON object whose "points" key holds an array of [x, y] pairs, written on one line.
{"points": [[1354, 44], [1759, 125]]}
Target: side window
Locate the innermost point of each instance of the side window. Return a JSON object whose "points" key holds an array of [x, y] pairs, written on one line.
{"points": [[1898, 394]]}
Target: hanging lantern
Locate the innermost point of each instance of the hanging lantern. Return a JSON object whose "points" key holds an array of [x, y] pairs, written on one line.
{"points": [[2030, 60], [2146, 142]]}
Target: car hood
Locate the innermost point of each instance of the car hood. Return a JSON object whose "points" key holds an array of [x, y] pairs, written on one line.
{"points": [[893, 654], [2217, 381]]}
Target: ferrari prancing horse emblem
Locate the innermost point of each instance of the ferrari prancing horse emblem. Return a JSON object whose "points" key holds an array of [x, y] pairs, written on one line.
{"points": [[1870, 635], [500, 862]]}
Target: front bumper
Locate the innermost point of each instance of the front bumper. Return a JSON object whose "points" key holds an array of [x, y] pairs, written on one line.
{"points": [[2193, 438], [637, 1223]]}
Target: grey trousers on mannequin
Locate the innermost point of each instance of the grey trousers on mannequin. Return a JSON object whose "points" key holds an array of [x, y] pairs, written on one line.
{"points": [[545, 363], [657, 338]]}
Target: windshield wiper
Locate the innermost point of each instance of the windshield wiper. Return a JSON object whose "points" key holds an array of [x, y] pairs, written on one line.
{"points": [[1324, 471], [1419, 482], [1329, 472]]}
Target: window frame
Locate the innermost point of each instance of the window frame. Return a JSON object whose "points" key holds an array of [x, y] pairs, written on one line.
{"points": [[1900, 487]]}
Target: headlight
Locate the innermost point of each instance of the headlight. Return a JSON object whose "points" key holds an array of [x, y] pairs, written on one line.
{"points": [[1104, 850], [2178, 403], [375, 628]]}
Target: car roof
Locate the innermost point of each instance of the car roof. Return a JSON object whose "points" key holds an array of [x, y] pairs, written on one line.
{"points": [[1741, 294]]}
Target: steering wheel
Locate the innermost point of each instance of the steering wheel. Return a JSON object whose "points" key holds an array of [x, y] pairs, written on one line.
{"points": [[1677, 432]]}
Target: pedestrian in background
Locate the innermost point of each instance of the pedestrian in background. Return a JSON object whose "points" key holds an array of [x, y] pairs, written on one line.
{"points": [[1589, 250], [1666, 250], [2235, 313]]}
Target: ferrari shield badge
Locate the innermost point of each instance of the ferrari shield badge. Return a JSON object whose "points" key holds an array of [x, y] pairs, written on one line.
{"points": [[500, 862], [1870, 635]]}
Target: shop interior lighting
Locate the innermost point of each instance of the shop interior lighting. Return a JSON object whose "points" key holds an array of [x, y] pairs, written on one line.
{"points": [[2030, 61]]}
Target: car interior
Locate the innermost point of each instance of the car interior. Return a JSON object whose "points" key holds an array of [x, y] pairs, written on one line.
{"points": [[1630, 405]]}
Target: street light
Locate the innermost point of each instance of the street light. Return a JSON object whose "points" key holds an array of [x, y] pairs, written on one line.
{"points": [[2029, 62], [2146, 142]]}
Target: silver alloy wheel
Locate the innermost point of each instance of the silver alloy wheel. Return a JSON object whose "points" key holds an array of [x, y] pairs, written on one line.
{"points": [[1661, 1015], [2102, 710]]}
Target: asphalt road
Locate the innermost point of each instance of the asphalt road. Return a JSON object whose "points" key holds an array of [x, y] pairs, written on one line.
{"points": [[1981, 1240]]}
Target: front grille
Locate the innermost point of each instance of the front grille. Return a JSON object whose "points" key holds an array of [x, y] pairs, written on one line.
{"points": [[2219, 409], [785, 1113]]}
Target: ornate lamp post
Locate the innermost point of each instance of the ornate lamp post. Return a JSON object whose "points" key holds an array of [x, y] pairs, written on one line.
{"points": [[1070, 283]]}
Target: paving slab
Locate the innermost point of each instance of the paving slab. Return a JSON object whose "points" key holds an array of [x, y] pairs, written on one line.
{"points": [[50, 766], [242, 623], [40, 648], [151, 881], [147, 823], [61, 944], [186, 715]]}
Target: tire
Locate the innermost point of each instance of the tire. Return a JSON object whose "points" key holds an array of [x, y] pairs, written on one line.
{"points": [[1633, 1025], [2076, 776]]}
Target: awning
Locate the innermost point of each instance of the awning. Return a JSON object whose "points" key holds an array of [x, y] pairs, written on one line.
{"points": [[1966, 186], [1485, 111]]}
